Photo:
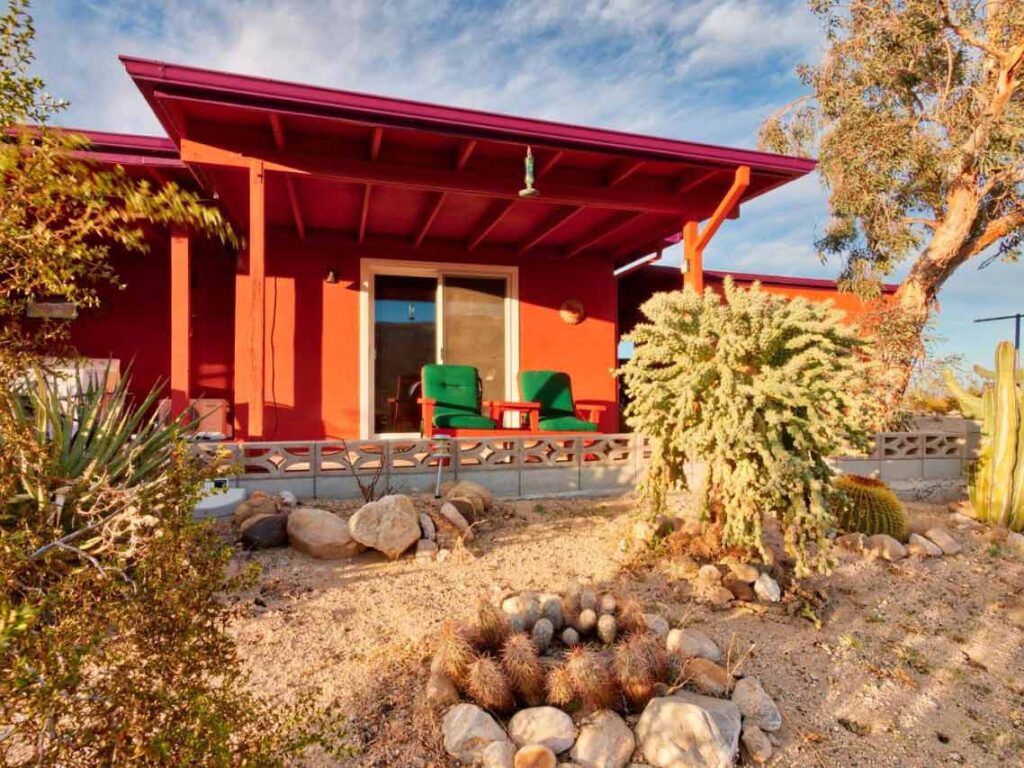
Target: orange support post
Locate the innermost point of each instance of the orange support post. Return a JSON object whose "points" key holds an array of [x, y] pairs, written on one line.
{"points": [[257, 273], [695, 240], [693, 258], [181, 321]]}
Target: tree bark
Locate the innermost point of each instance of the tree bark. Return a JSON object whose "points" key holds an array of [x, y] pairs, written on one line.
{"points": [[950, 247]]}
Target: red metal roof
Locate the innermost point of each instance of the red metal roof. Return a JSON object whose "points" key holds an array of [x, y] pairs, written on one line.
{"points": [[364, 168]]}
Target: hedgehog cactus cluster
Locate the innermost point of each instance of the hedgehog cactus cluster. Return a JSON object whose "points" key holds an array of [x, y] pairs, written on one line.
{"points": [[583, 651], [866, 505], [997, 481]]}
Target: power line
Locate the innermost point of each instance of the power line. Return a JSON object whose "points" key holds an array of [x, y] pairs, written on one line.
{"points": [[1016, 325]]}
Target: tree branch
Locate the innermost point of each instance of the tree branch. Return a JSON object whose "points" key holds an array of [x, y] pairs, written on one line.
{"points": [[994, 231], [970, 38]]}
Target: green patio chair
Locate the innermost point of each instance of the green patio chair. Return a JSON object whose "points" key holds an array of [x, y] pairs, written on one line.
{"points": [[451, 400], [559, 412]]}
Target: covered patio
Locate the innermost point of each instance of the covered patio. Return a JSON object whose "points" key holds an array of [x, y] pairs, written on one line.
{"points": [[383, 234]]}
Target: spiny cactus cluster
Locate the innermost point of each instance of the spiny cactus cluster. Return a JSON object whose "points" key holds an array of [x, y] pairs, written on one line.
{"points": [[866, 505], [593, 652], [997, 480]]}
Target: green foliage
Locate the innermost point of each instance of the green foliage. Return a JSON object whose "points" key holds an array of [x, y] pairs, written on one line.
{"points": [[916, 116], [997, 481], [868, 506], [61, 216], [111, 597], [762, 390]]}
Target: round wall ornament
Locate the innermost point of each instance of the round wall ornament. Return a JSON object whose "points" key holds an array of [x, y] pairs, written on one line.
{"points": [[572, 311]]}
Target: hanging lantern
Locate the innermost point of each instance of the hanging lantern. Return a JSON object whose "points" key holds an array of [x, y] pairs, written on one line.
{"points": [[528, 190]]}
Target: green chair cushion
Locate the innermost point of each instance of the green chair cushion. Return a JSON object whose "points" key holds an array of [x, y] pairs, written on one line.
{"points": [[552, 389], [455, 388], [566, 424], [462, 421]]}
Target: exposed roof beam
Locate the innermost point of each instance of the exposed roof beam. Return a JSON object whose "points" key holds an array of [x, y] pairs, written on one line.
{"points": [[731, 199], [490, 220], [557, 221], [427, 179], [623, 171], [364, 212], [545, 166], [464, 152], [277, 128], [687, 185], [435, 209], [599, 234], [375, 142]]}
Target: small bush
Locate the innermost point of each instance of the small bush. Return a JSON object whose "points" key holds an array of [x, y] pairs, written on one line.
{"points": [[763, 390]]}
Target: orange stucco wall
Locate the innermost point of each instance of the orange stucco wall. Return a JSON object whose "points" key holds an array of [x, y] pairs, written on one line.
{"points": [[849, 303], [313, 361]]}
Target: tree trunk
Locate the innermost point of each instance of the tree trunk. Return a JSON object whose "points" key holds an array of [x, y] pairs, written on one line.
{"points": [[948, 249]]}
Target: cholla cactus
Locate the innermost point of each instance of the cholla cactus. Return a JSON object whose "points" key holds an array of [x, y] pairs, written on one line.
{"points": [[761, 388], [997, 482]]}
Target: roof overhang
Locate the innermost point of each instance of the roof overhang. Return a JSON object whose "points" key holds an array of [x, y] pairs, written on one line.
{"points": [[362, 168]]}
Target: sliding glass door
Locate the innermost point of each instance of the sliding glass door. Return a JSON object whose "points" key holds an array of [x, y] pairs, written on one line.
{"points": [[435, 315]]}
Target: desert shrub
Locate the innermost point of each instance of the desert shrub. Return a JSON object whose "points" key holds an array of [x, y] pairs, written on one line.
{"points": [[761, 388], [866, 505], [112, 626]]}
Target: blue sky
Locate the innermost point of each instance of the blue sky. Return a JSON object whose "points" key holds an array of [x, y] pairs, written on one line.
{"points": [[703, 70]]}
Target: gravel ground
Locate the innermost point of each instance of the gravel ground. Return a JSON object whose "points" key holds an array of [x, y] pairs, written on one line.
{"points": [[915, 664]]}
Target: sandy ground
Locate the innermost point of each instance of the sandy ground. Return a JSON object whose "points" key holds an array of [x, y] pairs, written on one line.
{"points": [[917, 663]]}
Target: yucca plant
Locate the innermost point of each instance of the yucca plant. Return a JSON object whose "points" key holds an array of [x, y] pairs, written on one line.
{"points": [[79, 442]]}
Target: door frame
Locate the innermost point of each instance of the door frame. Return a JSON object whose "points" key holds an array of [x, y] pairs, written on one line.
{"points": [[370, 268]]}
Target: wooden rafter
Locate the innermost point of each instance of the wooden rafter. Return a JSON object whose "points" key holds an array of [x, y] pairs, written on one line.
{"points": [[277, 128], [552, 225], [435, 208], [544, 166], [623, 171], [364, 212], [695, 239], [464, 153], [375, 141], [599, 234], [687, 184], [491, 219]]}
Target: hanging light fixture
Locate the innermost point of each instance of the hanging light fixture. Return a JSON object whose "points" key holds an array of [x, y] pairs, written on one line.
{"points": [[528, 190]]}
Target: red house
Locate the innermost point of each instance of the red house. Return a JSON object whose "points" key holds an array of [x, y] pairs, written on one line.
{"points": [[384, 234]]}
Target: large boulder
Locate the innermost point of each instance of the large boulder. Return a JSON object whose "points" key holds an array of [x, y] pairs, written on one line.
{"points": [[542, 725], [390, 525], [264, 532], [468, 731], [319, 533], [605, 741], [258, 503], [689, 731]]}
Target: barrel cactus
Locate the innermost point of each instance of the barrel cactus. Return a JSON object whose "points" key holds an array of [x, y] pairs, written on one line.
{"points": [[997, 481], [866, 505]]}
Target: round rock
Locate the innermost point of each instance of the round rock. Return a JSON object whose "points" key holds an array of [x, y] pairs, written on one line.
{"points": [[468, 731], [265, 532], [534, 756], [318, 533], [605, 741], [767, 589], [542, 725], [756, 705], [692, 642], [390, 525]]}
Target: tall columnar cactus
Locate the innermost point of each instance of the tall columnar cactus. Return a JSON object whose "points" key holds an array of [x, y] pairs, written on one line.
{"points": [[997, 483]]}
